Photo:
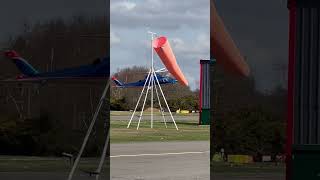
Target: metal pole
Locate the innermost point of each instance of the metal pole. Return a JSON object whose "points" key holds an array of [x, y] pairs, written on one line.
{"points": [[52, 55], [29, 102], [166, 102], [144, 102], [152, 79], [135, 109], [164, 119], [103, 156], [15, 103], [89, 131]]}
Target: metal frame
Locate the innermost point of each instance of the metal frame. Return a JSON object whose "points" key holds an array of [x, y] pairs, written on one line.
{"points": [[153, 82], [106, 145]]}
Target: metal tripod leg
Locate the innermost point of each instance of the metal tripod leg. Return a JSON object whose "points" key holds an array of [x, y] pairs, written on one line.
{"points": [[144, 103], [164, 119], [165, 101], [152, 80], [76, 162], [135, 109], [103, 156]]}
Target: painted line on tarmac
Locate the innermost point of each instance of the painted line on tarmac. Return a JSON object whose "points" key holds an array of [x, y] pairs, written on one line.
{"points": [[159, 154]]}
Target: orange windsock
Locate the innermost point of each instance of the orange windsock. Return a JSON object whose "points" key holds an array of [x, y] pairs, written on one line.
{"points": [[162, 47], [223, 47]]}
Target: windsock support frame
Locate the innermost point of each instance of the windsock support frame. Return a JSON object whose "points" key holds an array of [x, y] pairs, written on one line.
{"points": [[151, 84], [97, 172]]}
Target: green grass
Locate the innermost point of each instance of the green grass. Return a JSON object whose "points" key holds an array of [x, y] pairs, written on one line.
{"points": [[247, 169], [188, 131], [127, 113], [43, 164]]}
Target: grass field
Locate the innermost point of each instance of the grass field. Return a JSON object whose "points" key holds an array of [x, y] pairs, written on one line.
{"points": [[129, 113], [242, 169], [54, 164], [43, 164], [189, 130], [255, 171]]}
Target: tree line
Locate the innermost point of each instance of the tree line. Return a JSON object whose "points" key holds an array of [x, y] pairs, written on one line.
{"points": [[124, 99], [244, 120], [60, 111]]}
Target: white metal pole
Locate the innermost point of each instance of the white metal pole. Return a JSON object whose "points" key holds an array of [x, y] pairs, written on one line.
{"points": [[152, 79], [164, 119], [52, 55], [144, 102], [76, 162], [29, 102], [135, 109], [166, 103], [103, 156]]}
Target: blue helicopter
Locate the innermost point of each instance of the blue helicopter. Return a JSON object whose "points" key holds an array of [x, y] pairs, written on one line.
{"points": [[100, 68], [141, 83]]}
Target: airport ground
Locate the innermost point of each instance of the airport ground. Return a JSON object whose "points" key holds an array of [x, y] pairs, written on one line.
{"points": [[255, 171], [189, 130], [160, 152], [153, 154], [26, 168]]}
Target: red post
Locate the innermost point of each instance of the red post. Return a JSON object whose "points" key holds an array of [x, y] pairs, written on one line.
{"points": [[200, 94], [291, 78]]}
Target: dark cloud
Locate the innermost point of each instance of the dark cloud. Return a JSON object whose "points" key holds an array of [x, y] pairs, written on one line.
{"points": [[14, 13], [260, 29]]}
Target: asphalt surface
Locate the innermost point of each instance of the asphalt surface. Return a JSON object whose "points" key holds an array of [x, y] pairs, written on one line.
{"points": [[160, 161], [142, 161]]}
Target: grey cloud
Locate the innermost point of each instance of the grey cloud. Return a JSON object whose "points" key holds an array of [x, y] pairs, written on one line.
{"points": [[14, 13], [114, 38], [166, 14], [190, 18]]}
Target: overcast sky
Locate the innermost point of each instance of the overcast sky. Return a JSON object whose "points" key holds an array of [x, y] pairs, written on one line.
{"points": [[260, 29], [14, 13], [185, 23]]}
